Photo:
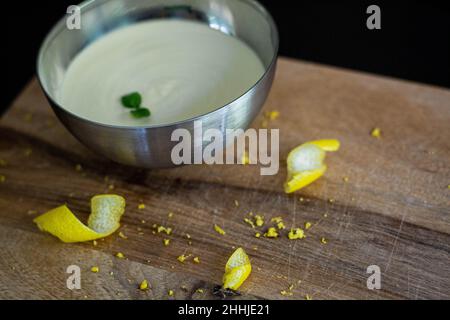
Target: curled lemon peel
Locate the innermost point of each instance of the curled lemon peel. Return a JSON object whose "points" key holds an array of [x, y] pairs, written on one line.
{"points": [[104, 220], [305, 163], [237, 270]]}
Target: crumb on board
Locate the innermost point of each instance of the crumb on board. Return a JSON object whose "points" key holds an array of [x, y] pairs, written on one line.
{"points": [[95, 269], [196, 260], [249, 222], [94, 243], [258, 235], [271, 233], [308, 297], [308, 225], [111, 187], [166, 242], [259, 220], [219, 230], [296, 233], [120, 255], [323, 240], [183, 258], [346, 179], [141, 206], [170, 293], [272, 115], [281, 226], [188, 236], [236, 203], [162, 229], [170, 215], [144, 285], [122, 235], [199, 290], [376, 133]]}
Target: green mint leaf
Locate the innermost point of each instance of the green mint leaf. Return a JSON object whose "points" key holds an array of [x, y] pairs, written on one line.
{"points": [[141, 113], [132, 100]]}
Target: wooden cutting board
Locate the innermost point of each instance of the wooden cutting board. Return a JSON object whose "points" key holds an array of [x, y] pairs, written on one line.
{"points": [[394, 211]]}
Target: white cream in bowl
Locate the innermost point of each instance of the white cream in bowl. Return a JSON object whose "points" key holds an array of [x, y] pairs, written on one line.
{"points": [[182, 69]]}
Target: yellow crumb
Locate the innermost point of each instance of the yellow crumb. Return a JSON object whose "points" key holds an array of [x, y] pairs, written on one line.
{"points": [[122, 235], [120, 255], [308, 225], [196, 260], [141, 206], [170, 293], [144, 285], [78, 167], [323, 241], [188, 236], [95, 269], [250, 222], [376, 133], [111, 187], [296, 233], [271, 233], [258, 235], [281, 225], [301, 199], [259, 221], [170, 215], [346, 179], [286, 293], [331, 200], [162, 229], [276, 220], [236, 203], [166, 242], [272, 115], [94, 242], [219, 230], [183, 258], [200, 290]]}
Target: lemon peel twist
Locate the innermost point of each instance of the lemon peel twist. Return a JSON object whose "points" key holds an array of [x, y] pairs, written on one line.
{"points": [[237, 270], [305, 163], [104, 220]]}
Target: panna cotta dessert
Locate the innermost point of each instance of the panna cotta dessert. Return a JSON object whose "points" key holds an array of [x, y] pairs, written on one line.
{"points": [[175, 69]]}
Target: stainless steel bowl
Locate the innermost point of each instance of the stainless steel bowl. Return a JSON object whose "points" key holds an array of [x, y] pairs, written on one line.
{"points": [[150, 147]]}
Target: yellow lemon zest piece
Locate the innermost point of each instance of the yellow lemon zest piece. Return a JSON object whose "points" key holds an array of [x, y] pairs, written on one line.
{"points": [[376, 133], [308, 297], [296, 233], [259, 221], [122, 235], [120, 255], [271, 233], [323, 241], [237, 270], [144, 285], [162, 229], [250, 222], [170, 215], [183, 258], [95, 269], [141, 206], [106, 211], [200, 290], [305, 163], [258, 235], [219, 230], [281, 226], [196, 260], [276, 219], [166, 242], [286, 293], [272, 115], [170, 293], [308, 225]]}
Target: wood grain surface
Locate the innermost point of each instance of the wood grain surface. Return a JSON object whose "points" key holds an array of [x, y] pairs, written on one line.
{"points": [[393, 211]]}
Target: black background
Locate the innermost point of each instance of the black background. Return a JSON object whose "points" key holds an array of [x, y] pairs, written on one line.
{"points": [[414, 42]]}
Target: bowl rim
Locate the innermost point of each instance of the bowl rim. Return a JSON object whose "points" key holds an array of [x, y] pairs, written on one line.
{"points": [[88, 3]]}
